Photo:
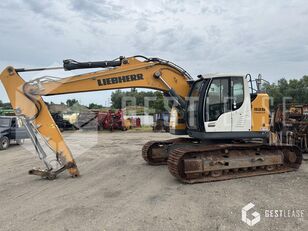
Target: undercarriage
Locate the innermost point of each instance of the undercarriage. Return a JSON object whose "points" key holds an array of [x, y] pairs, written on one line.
{"points": [[194, 161]]}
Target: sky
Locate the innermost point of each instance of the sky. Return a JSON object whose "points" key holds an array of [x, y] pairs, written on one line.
{"points": [[243, 36]]}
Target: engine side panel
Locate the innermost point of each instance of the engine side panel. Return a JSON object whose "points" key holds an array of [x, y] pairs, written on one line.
{"points": [[260, 113]]}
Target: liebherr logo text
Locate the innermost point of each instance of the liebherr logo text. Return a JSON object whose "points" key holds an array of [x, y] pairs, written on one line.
{"points": [[120, 79]]}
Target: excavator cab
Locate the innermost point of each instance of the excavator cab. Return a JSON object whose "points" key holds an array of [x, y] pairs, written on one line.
{"points": [[219, 107]]}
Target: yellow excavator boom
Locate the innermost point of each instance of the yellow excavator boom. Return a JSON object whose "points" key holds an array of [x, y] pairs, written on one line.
{"points": [[26, 97]]}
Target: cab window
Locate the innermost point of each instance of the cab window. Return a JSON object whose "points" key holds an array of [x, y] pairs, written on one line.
{"points": [[237, 92], [218, 98], [13, 123], [193, 104]]}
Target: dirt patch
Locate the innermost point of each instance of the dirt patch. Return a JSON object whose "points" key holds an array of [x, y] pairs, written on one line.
{"points": [[118, 191]]}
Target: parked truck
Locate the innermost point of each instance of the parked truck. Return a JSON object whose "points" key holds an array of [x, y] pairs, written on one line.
{"points": [[11, 129]]}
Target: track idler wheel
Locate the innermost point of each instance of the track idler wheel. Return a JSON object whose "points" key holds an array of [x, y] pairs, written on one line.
{"points": [[154, 153]]}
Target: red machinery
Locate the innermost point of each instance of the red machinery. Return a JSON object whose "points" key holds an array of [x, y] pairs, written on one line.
{"points": [[135, 122], [96, 120], [111, 120]]}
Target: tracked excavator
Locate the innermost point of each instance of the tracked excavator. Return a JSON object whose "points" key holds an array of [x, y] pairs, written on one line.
{"points": [[225, 118]]}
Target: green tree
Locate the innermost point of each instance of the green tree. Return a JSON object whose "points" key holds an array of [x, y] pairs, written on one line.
{"points": [[116, 98], [71, 102], [7, 106], [297, 89], [95, 106], [157, 105]]}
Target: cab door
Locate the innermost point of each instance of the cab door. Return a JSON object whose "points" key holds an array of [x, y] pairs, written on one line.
{"points": [[241, 105], [218, 114], [18, 131], [194, 111]]}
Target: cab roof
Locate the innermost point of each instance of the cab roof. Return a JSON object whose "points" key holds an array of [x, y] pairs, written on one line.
{"points": [[217, 75]]}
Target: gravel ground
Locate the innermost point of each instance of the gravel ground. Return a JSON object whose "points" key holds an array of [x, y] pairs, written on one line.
{"points": [[118, 191]]}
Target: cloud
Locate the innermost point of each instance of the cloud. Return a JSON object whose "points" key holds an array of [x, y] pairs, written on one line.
{"points": [[45, 8], [98, 10], [202, 36]]}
